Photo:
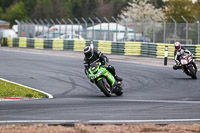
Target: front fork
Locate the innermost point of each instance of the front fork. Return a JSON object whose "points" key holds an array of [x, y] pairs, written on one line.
{"points": [[113, 88], [186, 69], [195, 66]]}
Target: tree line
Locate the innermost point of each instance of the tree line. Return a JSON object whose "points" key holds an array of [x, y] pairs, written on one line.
{"points": [[37, 9], [47, 9]]}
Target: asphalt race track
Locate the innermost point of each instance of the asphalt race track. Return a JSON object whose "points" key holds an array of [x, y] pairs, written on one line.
{"points": [[151, 93]]}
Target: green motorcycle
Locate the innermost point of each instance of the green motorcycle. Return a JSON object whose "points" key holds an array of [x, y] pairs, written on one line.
{"points": [[104, 80]]}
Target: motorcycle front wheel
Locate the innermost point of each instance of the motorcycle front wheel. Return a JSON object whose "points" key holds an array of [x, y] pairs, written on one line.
{"points": [[104, 86], [192, 72]]}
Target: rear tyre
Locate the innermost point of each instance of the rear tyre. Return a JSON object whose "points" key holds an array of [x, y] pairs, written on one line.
{"points": [[192, 72], [104, 86]]}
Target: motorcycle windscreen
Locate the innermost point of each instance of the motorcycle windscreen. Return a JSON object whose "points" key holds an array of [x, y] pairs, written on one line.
{"points": [[94, 67]]}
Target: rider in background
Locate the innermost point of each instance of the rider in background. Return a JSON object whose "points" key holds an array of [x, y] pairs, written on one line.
{"points": [[179, 50], [92, 55]]}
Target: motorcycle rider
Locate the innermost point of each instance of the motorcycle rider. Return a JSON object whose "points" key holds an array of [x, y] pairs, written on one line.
{"points": [[92, 55], [179, 50]]}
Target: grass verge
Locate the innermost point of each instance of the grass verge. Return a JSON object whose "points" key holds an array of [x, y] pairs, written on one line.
{"points": [[12, 90]]}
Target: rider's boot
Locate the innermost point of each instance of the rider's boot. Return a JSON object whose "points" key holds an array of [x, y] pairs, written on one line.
{"points": [[176, 67], [118, 78]]}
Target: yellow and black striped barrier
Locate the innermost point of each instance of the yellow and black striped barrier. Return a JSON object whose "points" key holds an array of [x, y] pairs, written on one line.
{"points": [[156, 50], [39, 44], [105, 47], [197, 51], [79, 45], [132, 48], [160, 51]]}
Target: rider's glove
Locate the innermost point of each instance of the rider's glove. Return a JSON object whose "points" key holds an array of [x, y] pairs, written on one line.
{"points": [[86, 72]]}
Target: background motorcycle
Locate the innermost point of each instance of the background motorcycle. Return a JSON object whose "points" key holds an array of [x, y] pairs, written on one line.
{"points": [[188, 65]]}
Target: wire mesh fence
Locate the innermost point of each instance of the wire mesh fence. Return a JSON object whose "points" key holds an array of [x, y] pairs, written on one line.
{"points": [[117, 31]]}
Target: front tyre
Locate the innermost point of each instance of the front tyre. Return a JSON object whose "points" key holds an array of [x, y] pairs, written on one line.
{"points": [[104, 86], [192, 72]]}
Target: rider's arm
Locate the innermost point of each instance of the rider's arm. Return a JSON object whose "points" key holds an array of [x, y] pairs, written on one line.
{"points": [[188, 52], [86, 65], [102, 58], [176, 57]]}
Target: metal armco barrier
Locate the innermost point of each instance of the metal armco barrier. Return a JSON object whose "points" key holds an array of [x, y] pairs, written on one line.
{"points": [[156, 50]]}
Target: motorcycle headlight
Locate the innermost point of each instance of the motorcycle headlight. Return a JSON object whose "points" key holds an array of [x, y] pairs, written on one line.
{"points": [[183, 62], [100, 73], [92, 77]]}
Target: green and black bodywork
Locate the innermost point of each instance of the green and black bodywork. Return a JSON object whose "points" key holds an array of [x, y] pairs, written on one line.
{"points": [[104, 80]]}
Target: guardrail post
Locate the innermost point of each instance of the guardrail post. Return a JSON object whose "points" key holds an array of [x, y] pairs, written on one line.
{"points": [[153, 29], [186, 36], [65, 27], [78, 26], [116, 21], [72, 30], [144, 29], [23, 29], [198, 28], [175, 25], [30, 26], [48, 26], [42, 25], [85, 27], [37, 29], [19, 29], [126, 28], [29, 29], [164, 29], [108, 27], [100, 26], [53, 27], [33, 29], [59, 27], [92, 27], [134, 23]]}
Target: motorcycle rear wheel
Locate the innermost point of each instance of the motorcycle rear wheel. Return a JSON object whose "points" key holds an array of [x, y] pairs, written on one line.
{"points": [[119, 92]]}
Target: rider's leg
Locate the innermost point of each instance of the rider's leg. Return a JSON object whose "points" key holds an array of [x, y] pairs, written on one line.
{"points": [[111, 69], [176, 67]]}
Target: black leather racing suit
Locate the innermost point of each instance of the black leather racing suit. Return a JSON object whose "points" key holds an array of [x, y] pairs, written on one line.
{"points": [[101, 58], [177, 55]]}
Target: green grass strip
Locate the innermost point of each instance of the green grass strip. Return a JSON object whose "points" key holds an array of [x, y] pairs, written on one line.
{"points": [[12, 90]]}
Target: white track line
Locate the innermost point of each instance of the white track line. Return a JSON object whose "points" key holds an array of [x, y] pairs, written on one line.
{"points": [[49, 95], [157, 101], [143, 121], [99, 121], [40, 121], [138, 100]]}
